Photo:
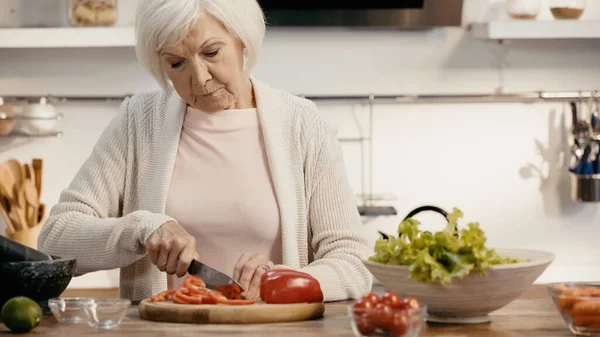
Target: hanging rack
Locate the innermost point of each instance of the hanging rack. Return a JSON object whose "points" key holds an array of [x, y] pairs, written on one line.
{"points": [[519, 97], [368, 207]]}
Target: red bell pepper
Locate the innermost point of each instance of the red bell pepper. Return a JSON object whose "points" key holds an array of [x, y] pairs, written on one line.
{"points": [[284, 286]]}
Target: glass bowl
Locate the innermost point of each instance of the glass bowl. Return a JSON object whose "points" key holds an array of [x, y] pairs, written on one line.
{"points": [[579, 305], [69, 309], [395, 323], [105, 313]]}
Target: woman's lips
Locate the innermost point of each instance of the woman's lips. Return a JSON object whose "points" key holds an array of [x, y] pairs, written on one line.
{"points": [[210, 93]]}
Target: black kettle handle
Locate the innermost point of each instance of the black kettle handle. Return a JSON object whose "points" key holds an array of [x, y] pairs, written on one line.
{"points": [[426, 208], [416, 211]]}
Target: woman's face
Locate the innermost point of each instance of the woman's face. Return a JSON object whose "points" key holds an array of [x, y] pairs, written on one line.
{"points": [[206, 68]]}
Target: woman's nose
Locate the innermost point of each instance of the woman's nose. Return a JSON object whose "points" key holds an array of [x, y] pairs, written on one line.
{"points": [[201, 74]]}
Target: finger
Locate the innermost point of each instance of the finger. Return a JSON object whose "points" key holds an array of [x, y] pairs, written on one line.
{"points": [[174, 253], [253, 290], [153, 250], [185, 259], [163, 256], [237, 270], [248, 271]]}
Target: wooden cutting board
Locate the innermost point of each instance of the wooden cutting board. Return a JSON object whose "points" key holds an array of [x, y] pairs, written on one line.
{"points": [[229, 314]]}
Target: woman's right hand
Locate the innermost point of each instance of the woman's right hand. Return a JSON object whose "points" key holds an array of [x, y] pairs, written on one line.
{"points": [[171, 248]]}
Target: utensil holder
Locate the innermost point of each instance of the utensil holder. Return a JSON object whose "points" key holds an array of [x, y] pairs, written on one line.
{"points": [[585, 188], [27, 237]]}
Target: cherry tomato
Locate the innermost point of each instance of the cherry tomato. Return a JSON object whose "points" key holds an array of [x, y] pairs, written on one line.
{"points": [[362, 306], [382, 316], [393, 300], [412, 303], [400, 324], [364, 325], [372, 297]]}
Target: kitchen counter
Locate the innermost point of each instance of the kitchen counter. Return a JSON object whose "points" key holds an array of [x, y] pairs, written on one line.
{"points": [[531, 315]]}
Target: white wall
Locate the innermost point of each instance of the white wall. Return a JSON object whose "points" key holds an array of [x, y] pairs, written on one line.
{"points": [[467, 155]]}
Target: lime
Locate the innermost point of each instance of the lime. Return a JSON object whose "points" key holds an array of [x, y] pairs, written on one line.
{"points": [[21, 314]]}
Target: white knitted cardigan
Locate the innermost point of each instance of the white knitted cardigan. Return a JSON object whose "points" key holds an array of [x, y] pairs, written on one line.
{"points": [[118, 197]]}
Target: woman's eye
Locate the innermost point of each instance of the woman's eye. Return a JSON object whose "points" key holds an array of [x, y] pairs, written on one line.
{"points": [[212, 54], [176, 64]]}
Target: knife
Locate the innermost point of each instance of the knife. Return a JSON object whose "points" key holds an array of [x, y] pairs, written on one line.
{"points": [[212, 277]]}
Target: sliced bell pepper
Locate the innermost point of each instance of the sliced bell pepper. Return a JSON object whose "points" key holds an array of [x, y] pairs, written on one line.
{"points": [[237, 302], [284, 286], [194, 282], [231, 291], [194, 291], [182, 294], [164, 296], [213, 297]]}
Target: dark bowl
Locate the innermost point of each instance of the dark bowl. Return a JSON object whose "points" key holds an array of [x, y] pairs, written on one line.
{"points": [[38, 280]]}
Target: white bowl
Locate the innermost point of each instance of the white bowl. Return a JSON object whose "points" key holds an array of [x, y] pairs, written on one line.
{"points": [[471, 299], [41, 118]]}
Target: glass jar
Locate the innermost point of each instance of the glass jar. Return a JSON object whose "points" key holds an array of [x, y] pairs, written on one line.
{"points": [[92, 13], [523, 9], [567, 9]]}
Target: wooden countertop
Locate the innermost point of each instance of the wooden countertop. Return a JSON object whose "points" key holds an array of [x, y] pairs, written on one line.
{"points": [[532, 315]]}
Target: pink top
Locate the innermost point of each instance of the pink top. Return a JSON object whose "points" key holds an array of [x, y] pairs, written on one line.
{"points": [[221, 190]]}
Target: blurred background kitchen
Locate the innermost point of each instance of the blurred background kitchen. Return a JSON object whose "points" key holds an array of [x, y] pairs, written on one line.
{"points": [[469, 107]]}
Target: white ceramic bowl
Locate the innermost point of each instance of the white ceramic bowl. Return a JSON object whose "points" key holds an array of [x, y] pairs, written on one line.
{"points": [[42, 118], [471, 299]]}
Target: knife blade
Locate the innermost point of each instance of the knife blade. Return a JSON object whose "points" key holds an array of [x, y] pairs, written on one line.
{"points": [[212, 277]]}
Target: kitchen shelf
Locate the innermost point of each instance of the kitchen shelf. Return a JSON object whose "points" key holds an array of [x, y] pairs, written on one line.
{"points": [[532, 29], [33, 135], [4, 117], [84, 37]]}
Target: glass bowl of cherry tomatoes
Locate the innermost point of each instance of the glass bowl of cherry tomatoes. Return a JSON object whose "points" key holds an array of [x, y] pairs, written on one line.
{"points": [[387, 315]]}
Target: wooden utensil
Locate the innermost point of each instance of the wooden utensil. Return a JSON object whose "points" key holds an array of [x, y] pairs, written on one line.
{"points": [[20, 206], [19, 195], [17, 217], [29, 172], [17, 170], [9, 225], [32, 201], [41, 213], [229, 314], [7, 180], [37, 165], [5, 197]]}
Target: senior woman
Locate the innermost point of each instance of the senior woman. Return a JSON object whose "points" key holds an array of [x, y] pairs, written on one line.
{"points": [[216, 166]]}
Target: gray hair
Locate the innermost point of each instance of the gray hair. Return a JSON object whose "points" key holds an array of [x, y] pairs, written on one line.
{"points": [[162, 23]]}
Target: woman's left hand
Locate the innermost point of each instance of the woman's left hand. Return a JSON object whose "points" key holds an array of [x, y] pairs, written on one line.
{"points": [[248, 271]]}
